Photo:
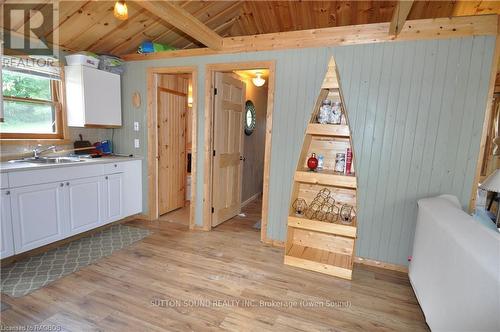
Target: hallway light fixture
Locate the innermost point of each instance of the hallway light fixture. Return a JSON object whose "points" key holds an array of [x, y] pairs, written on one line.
{"points": [[190, 95], [120, 11], [258, 81]]}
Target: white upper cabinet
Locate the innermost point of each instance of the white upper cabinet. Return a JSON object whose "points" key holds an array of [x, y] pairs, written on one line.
{"points": [[93, 97]]}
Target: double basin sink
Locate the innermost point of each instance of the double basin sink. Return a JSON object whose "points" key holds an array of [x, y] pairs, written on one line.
{"points": [[48, 160]]}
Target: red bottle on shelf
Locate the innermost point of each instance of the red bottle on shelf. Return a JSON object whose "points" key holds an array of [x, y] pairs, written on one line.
{"points": [[312, 162], [348, 161]]}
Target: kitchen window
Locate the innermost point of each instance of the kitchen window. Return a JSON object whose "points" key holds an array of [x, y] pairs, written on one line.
{"points": [[32, 99]]}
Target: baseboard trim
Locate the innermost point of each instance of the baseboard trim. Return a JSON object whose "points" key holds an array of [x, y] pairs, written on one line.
{"points": [[198, 228], [383, 265], [274, 243], [358, 260], [251, 199]]}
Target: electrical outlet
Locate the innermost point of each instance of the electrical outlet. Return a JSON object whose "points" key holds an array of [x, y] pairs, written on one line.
{"points": [[136, 143], [136, 126]]}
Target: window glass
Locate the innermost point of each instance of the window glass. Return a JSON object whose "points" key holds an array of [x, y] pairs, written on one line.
{"points": [[26, 117], [16, 84], [27, 104]]}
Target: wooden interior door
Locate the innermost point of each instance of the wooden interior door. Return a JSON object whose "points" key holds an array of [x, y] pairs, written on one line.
{"points": [[229, 104], [172, 106]]}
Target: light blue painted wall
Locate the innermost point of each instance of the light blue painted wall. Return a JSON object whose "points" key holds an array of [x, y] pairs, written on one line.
{"points": [[416, 109]]}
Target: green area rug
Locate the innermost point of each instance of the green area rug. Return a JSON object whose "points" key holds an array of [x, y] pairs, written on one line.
{"points": [[32, 273]]}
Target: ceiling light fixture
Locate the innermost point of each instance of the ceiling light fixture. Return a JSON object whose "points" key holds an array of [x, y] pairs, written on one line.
{"points": [[190, 95], [258, 81], [120, 11]]}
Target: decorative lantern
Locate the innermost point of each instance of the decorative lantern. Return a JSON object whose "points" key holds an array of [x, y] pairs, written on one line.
{"points": [[312, 162], [300, 207], [345, 214]]}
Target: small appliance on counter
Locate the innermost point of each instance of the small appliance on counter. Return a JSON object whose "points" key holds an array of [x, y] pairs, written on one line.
{"points": [[104, 147], [96, 150]]}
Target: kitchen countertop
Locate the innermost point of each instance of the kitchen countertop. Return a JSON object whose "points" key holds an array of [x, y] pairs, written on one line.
{"points": [[6, 167]]}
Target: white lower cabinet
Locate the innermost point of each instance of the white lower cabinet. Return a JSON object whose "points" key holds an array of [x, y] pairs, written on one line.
{"points": [[38, 214], [33, 215], [84, 200], [6, 239], [132, 187], [112, 198]]}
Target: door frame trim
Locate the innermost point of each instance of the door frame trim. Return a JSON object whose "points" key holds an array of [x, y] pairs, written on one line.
{"points": [[152, 133], [210, 70]]}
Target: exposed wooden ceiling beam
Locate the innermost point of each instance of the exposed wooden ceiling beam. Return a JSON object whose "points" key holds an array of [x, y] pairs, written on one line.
{"points": [[206, 8], [229, 14], [438, 28], [184, 21], [399, 16]]}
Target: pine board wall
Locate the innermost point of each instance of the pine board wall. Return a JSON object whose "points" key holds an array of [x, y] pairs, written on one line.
{"points": [[416, 109]]}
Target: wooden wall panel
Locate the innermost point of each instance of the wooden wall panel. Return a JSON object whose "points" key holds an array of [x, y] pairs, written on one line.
{"points": [[418, 133], [172, 108], [400, 97], [171, 150]]}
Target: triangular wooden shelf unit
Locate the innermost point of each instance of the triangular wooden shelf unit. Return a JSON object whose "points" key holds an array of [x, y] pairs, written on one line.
{"points": [[317, 240]]}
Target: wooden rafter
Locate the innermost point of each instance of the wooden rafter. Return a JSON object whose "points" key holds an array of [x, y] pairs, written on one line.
{"points": [[184, 21], [399, 16], [227, 13], [199, 11]]}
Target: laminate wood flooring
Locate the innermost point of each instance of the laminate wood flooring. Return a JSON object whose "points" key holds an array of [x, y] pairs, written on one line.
{"points": [[226, 279]]}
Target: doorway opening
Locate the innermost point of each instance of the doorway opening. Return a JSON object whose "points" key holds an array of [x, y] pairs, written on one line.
{"points": [[240, 113], [172, 144]]}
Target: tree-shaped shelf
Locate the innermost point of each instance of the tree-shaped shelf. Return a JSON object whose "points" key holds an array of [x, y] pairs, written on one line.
{"points": [[322, 222]]}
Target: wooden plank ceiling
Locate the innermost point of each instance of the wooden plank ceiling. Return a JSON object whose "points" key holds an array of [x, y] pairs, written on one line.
{"points": [[90, 25]]}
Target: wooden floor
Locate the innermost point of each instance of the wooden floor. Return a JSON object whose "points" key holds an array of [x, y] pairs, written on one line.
{"points": [[179, 216], [177, 280]]}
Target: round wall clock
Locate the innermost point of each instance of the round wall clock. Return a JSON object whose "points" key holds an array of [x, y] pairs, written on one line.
{"points": [[250, 118]]}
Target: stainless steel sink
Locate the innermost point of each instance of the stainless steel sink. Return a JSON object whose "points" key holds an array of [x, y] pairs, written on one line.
{"points": [[48, 160]]}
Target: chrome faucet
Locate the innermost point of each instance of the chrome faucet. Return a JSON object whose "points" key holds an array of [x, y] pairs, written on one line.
{"points": [[37, 151]]}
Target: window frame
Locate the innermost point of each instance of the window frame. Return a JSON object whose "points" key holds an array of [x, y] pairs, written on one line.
{"points": [[61, 133]]}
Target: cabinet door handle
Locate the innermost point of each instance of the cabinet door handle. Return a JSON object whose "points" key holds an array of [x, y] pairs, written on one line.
{"points": [[67, 183], [61, 185], [7, 192], [116, 165], [106, 177]]}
